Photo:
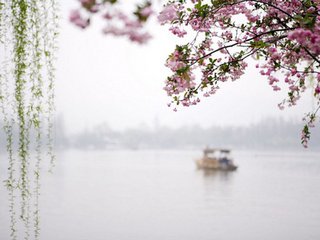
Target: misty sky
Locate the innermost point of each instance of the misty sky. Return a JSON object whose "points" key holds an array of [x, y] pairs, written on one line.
{"points": [[105, 79]]}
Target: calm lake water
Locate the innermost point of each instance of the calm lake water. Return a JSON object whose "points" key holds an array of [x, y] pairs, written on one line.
{"points": [[160, 195]]}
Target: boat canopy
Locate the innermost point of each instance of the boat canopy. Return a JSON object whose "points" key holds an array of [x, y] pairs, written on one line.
{"points": [[212, 150]]}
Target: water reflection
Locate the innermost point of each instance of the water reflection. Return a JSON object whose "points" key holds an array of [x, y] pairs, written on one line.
{"points": [[162, 196], [216, 183], [224, 176]]}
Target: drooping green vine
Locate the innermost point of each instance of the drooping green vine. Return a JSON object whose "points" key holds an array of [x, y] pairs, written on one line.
{"points": [[50, 48], [8, 120], [28, 32], [35, 108], [20, 46]]}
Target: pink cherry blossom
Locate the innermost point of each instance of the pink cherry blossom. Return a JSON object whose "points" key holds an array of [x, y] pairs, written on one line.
{"points": [[118, 22], [78, 20], [147, 11], [284, 36], [168, 14]]}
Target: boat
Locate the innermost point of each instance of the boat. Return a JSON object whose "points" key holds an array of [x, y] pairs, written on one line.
{"points": [[216, 159]]}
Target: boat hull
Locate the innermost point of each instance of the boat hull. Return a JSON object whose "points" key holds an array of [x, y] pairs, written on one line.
{"points": [[214, 164]]}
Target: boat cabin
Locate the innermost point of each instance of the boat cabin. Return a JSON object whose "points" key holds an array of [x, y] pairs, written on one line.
{"points": [[216, 153], [216, 159]]}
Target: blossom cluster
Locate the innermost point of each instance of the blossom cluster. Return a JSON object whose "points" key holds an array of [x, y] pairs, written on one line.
{"points": [[118, 22], [283, 36]]}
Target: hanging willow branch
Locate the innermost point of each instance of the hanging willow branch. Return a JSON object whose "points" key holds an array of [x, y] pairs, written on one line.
{"points": [[28, 32]]}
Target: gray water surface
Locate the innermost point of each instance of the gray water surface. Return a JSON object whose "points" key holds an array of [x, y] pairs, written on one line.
{"points": [[160, 195]]}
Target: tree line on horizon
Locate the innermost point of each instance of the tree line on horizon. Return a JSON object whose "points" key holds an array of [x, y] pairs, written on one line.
{"points": [[268, 134]]}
